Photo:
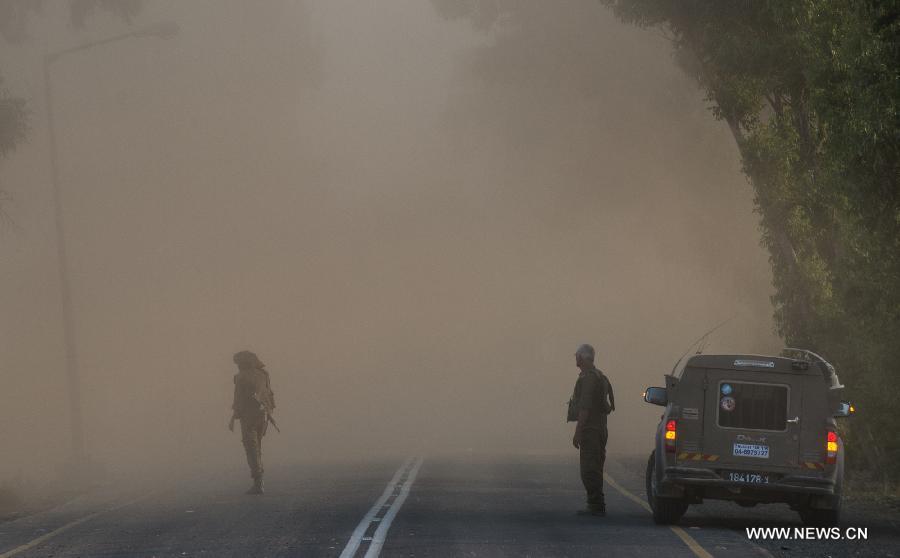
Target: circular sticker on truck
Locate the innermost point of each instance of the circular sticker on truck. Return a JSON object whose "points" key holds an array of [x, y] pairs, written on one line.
{"points": [[727, 403]]}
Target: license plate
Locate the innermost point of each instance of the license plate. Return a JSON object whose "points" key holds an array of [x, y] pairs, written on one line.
{"points": [[750, 478], [751, 450]]}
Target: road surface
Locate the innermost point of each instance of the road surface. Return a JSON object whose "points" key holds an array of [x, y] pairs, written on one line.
{"points": [[436, 506]]}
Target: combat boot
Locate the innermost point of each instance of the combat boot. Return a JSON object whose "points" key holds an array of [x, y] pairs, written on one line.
{"points": [[596, 512], [257, 487]]}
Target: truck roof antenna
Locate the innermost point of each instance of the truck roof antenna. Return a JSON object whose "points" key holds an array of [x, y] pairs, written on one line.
{"points": [[699, 340]]}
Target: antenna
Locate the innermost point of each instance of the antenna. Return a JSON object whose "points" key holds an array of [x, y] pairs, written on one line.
{"points": [[702, 346], [702, 338]]}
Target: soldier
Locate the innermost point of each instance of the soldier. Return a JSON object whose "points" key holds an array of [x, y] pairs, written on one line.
{"points": [[253, 404], [591, 402]]}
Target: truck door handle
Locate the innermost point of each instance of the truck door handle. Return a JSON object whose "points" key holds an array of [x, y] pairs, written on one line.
{"points": [[795, 420]]}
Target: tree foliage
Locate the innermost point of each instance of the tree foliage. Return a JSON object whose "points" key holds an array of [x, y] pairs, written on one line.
{"points": [[13, 113], [126, 10], [810, 90], [13, 121], [14, 16]]}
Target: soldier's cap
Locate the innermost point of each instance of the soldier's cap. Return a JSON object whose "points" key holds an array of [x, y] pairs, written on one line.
{"points": [[247, 359]]}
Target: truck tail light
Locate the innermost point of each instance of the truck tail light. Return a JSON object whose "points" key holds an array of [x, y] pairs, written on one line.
{"points": [[831, 447], [671, 429]]}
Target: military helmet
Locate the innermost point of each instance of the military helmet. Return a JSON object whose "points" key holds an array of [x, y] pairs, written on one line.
{"points": [[247, 359]]}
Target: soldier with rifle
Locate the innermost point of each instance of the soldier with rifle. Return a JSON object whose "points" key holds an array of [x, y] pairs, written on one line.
{"points": [[253, 406], [591, 402]]}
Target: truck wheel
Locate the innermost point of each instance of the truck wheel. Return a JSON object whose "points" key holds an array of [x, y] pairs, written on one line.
{"points": [[816, 517], [666, 511]]}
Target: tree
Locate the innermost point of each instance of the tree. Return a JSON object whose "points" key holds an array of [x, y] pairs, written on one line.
{"points": [[13, 128], [13, 121], [14, 16], [810, 91]]}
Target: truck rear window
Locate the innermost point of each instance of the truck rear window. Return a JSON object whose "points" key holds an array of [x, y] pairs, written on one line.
{"points": [[753, 406]]}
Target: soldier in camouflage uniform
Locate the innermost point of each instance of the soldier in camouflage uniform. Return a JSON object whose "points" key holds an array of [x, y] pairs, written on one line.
{"points": [[591, 402], [253, 403]]}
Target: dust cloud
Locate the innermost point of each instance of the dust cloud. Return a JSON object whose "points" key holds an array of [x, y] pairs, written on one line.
{"points": [[413, 220]]}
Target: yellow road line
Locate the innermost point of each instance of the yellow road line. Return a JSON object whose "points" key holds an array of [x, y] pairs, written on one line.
{"points": [[33, 543], [691, 543]]}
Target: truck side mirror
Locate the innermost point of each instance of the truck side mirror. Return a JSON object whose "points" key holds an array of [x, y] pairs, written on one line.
{"points": [[656, 396], [845, 409]]}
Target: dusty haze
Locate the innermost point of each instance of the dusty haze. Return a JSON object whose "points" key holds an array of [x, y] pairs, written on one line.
{"points": [[412, 221]]}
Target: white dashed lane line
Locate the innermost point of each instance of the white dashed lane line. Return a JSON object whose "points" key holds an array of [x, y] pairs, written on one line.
{"points": [[370, 534]]}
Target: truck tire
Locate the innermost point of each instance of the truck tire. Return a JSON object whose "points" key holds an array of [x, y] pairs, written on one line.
{"points": [[827, 517], [666, 511]]}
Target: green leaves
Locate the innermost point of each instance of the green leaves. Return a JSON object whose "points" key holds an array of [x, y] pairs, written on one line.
{"points": [[14, 15], [811, 90], [13, 121]]}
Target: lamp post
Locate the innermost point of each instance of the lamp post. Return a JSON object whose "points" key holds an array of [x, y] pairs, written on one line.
{"points": [[162, 30]]}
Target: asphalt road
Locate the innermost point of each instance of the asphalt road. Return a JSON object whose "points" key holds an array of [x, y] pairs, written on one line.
{"points": [[439, 506]]}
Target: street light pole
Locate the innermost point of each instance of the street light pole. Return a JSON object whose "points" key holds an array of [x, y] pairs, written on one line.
{"points": [[163, 30], [72, 373]]}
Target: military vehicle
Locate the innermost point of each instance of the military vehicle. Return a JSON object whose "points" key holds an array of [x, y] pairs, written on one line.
{"points": [[751, 429]]}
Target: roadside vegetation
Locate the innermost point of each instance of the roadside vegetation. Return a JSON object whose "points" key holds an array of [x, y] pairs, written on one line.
{"points": [[810, 90], [15, 15]]}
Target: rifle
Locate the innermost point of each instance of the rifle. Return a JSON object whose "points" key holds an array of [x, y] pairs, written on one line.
{"points": [[264, 408], [272, 420]]}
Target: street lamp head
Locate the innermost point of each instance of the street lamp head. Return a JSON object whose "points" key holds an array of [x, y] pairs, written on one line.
{"points": [[161, 30]]}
